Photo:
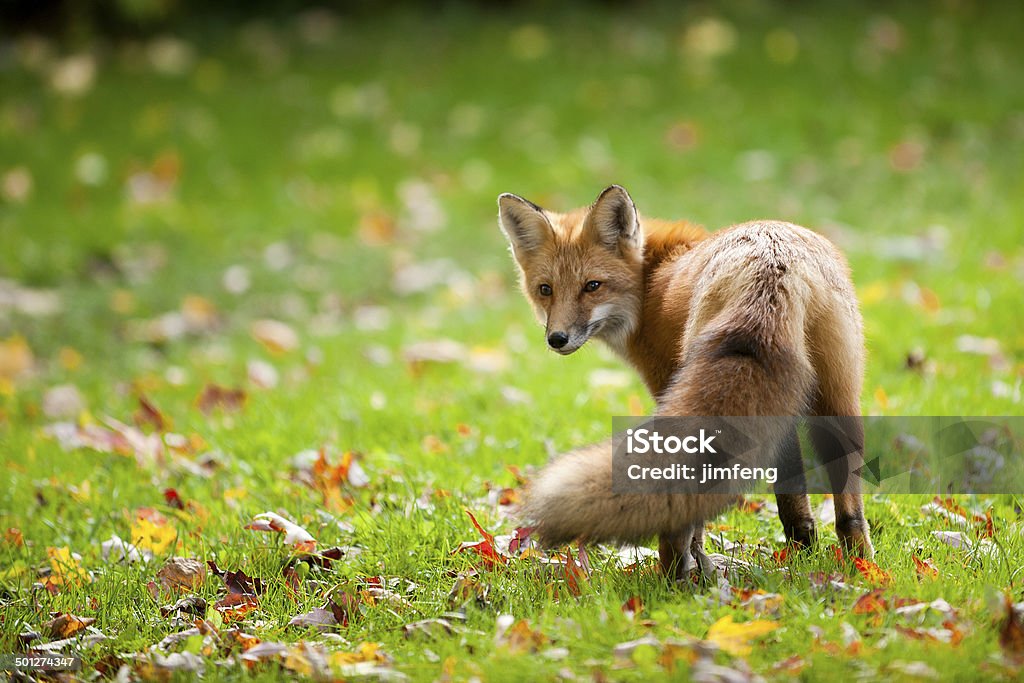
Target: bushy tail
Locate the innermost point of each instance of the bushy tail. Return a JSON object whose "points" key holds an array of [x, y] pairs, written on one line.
{"points": [[738, 367]]}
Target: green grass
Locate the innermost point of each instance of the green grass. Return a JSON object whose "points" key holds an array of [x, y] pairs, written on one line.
{"points": [[295, 145]]}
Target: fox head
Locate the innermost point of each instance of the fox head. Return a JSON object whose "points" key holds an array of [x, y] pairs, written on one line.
{"points": [[583, 270]]}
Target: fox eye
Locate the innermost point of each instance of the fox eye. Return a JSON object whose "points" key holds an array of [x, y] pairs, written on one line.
{"points": [[591, 286], [545, 290]]}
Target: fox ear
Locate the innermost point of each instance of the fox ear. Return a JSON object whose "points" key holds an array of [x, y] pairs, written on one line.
{"points": [[523, 222], [613, 220]]}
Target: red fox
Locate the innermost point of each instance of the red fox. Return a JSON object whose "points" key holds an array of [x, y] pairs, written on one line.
{"points": [[759, 319]]}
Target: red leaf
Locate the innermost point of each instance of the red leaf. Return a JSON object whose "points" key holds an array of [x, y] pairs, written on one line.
{"points": [[924, 568], [872, 572], [519, 537], [872, 602], [633, 606], [173, 499], [485, 548]]}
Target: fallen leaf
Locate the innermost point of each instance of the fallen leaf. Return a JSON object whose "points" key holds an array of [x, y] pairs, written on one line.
{"points": [[734, 638], [319, 618], [276, 336], [156, 538], [14, 537], [237, 581], [465, 590], [214, 396], [149, 415], [872, 602], [486, 548], [63, 401], [428, 627], [190, 606], [235, 606], [16, 359], [872, 572], [518, 637], [633, 606], [293, 533], [65, 568], [924, 568], [181, 573], [67, 625], [437, 351]]}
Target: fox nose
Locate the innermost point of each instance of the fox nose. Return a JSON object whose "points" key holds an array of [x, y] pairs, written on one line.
{"points": [[557, 340]]}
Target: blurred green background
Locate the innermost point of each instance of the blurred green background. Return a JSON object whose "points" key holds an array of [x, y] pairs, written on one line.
{"points": [[171, 175], [183, 142]]}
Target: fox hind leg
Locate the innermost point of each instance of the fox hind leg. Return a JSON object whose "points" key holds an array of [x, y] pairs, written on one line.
{"points": [[675, 553], [791, 493], [839, 444]]}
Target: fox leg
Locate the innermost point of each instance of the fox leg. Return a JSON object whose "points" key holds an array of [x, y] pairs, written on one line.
{"points": [[674, 553], [791, 493], [840, 447]]}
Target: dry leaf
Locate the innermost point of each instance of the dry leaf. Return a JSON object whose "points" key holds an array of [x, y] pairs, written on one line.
{"points": [[276, 336], [67, 625], [735, 638], [181, 573], [293, 533]]}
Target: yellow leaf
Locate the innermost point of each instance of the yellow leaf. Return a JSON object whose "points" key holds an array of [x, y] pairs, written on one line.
{"points": [[366, 652], [735, 638], [297, 661], [16, 358], [81, 493], [149, 536], [882, 398], [65, 569]]}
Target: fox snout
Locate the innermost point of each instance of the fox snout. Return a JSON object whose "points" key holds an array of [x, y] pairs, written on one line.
{"points": [[558, 340], [568, 341]]}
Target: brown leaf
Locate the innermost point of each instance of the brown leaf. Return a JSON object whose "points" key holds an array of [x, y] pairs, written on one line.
{"points": [[319, 618], [214, 396], [235, 606], [345, 605], [237, 581], [467, 589], [149, 414], [66, 625], [518, 637], [181, 573], [189, 606], [429, 628]]}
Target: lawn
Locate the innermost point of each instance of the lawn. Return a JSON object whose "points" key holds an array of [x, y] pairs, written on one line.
{"points": [[254, 266]]}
